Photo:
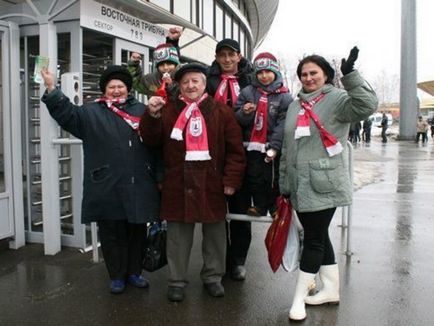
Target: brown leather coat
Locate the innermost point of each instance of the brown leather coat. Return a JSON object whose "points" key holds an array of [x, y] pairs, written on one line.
{"points": [[193, 190]]}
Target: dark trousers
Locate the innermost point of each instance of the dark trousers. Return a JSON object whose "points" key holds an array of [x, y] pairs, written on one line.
{"points": [[367, 135], [260, 188], [383, 135], [317, 247], [122, 247], [238, 234], [424, 137]]}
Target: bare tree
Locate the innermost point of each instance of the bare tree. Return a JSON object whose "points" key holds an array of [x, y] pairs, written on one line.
{"points": [[289, 75], [387, 88]]}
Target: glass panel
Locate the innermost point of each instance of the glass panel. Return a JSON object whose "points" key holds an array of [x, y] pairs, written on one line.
{"points": [[182, 8], [165, 4], [228, 26], [235, 35], [2, 164], [97, 56], [219, 22], [208, 16]]}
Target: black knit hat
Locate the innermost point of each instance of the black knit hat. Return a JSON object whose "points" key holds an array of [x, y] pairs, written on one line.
{"points": [[190, 67], [322, 63], [115, 72]]}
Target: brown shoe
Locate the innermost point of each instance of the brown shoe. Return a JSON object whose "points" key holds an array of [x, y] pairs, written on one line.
{"points": [[253, 211]]}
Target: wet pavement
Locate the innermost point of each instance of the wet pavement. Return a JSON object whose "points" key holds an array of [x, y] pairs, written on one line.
{"points": [[388, 280]]}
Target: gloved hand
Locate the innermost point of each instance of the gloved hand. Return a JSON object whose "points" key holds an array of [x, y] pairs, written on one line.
{"points": [[347, 65]]}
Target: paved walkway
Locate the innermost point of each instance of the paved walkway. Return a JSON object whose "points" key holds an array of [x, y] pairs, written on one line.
{"points": [[387, 281]]}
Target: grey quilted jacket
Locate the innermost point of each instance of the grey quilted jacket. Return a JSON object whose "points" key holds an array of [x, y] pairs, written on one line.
{"points": [[314, 180]]}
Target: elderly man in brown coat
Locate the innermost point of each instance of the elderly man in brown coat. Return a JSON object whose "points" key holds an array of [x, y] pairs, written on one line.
{"points": [[204, 162]]}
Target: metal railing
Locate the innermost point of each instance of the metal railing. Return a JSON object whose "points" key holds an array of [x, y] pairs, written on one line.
{"points": [[347, 211]]}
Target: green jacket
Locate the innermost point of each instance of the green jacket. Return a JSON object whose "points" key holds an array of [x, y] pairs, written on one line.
{"points": [[149, 83], [314, 180]]}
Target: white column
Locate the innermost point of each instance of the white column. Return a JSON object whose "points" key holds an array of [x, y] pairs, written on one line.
{"points": [[408, 88], [17, 173], [49, 152]]}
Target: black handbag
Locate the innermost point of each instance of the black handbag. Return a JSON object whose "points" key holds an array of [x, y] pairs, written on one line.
{"points": [[154, 253]]}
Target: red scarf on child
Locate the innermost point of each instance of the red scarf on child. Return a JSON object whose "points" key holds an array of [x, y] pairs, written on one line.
{"points": [[196, 142], [131, 120], [221, 95], [258, 137], [330, 142]]}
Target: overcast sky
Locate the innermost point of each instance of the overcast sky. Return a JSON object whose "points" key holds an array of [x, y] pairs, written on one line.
{"points": [[332, 27]]}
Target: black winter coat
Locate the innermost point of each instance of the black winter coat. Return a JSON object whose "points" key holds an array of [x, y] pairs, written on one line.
{"points": [[244, 75], [120, 172]]}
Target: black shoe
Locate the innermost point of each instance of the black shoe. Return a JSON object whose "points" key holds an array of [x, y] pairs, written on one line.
{"points": [[175, 294], [215, 289], [238, 273]]}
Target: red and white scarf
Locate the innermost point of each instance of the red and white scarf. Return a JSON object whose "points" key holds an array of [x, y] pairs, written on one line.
{"points": [[196, 142], [258, 137], [131, 120], [330, 142], [221, 94]]}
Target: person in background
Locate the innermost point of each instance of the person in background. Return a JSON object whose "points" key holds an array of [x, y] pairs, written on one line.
{"points": [[432, 127], [384, 125], [314, 166], [166, 59], [204, 161], [367, 126], [422, 130], [229, 73], [358, 127], [261, 111], [120, 172]]}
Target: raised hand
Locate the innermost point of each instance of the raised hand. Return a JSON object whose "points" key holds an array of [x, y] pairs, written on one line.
{"points": [[175, 33], [136, 57], [48, 78], [347, 65], [155, 104]]}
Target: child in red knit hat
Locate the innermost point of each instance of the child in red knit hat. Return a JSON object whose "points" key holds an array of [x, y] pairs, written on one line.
{"points": [[166, 60], [261, 111]]}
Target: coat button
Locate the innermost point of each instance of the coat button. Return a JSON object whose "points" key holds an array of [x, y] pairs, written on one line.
{"points": [[189, 191]]}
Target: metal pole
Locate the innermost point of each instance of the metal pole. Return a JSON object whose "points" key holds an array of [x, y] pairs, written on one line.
{"points": [[408, 85], [247, 218], [94, 237], [350, 207]]}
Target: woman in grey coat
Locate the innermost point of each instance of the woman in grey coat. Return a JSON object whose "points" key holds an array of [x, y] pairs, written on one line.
{"points": [[120, 173], [314, 166]]}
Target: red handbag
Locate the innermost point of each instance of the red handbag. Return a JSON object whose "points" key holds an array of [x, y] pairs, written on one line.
{"points": [[277, 234]]}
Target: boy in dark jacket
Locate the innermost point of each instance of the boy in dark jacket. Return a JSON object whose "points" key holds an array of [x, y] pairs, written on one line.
{"points": [[166, 60], [261, 111]]}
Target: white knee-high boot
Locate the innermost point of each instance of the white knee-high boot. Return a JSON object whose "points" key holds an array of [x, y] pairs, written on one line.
{"points": [[329, 276], [304, 282]]}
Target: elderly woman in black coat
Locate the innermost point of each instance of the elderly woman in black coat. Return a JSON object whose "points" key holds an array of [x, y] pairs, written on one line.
{"points": [[120, 173]]}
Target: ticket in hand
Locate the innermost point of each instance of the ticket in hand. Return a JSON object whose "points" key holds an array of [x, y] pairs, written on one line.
{"points": [[41, 62]]}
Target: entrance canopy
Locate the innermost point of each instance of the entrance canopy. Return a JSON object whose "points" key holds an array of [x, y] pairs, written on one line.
{"points": [[427, 86]]}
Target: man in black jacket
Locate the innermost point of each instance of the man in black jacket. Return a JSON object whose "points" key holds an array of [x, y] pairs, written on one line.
{"points": [[228, 74]]}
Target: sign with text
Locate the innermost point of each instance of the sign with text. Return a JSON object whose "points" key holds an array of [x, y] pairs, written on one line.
{"points": [[105, 19]]}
